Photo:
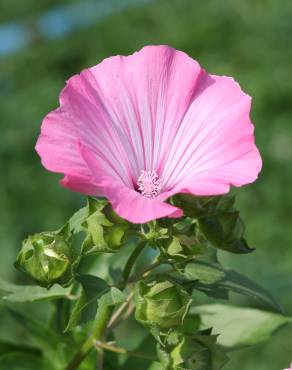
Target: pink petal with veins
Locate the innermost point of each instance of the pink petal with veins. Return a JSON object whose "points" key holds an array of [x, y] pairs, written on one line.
{"points": [[141, 128]]}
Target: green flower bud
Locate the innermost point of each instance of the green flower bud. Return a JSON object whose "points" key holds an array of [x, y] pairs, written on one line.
{"points": [[192, 352], [219, 222], [179, 248], [161, 304], [196, 207], [114, 237], [47, 258], [106, 232], [112, 216], [225, 231]]}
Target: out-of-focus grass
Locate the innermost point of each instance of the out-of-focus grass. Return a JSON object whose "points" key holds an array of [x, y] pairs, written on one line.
{"points": [[250, 40]]}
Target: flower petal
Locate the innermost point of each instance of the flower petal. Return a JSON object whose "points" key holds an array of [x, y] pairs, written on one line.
{"points": [[214, 146], [58, 145], [81, 185], [127, 203], [125, 109], [156, 110], [135, 208], [133, 104]]}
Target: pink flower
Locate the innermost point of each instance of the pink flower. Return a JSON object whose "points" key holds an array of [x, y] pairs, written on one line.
{"points": [[141, 128], [290, 368]]}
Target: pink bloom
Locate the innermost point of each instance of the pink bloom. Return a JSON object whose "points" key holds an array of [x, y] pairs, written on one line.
{"points": [[290, 368], [141, 128]]}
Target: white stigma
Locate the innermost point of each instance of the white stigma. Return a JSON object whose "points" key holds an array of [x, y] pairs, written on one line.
{"points": [[149, 184]]}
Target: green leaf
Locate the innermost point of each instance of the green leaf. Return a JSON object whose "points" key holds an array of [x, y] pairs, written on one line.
{"points": [[113, 297], [239, 283], [214, 280], [204, 272], [15, 356], [147, 346], [239, 327], [6, 347], [25, 293], [20, 361], [37, 329], [43, 337], [174, 248], [154, 366], [212, 291], [85, 307]]}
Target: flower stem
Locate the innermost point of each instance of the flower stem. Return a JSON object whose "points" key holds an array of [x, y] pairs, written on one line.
{"points": [[130, 263], [102, 318], [123, 351], [104, 314], [144, 272], [120, 311]]}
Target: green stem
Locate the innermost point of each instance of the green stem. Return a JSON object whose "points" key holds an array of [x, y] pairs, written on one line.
{"points": [[104, 314], [144, 272], [123, 351], [130, 263], [120, 311]]}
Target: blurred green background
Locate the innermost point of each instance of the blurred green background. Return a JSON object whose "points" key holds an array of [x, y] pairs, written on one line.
{"points": [[250, 40]]}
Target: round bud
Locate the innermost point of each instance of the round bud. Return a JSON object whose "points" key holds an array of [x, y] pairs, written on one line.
{"points": [[192, 352], [163, 304], [47, 258]]}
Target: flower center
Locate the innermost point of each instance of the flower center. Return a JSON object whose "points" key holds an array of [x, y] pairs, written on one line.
{"points": [[149, 184]]}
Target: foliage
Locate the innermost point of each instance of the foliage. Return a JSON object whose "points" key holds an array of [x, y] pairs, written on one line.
{"points": [[164, 301], [250, 40]]}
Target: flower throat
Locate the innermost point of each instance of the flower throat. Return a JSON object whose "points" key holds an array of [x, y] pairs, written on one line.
{"points": [[149, 184]]}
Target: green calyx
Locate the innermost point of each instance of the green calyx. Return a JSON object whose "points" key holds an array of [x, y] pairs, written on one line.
{"points": [[170, 261], [162, 304], [218, 222], [105, 231], [192, 352], [47, 258]]}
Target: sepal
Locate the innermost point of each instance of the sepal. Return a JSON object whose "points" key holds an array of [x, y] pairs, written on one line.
{"points": [[217, 219], [105, 231], [191, 352]]}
